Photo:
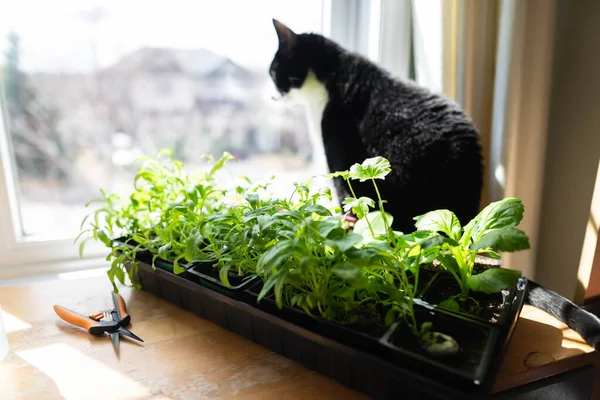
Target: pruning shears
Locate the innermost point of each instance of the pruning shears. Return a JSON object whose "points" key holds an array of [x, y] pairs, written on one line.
{"points": [[113, 321]]}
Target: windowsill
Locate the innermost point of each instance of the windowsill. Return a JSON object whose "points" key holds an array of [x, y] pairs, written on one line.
{"points": [[78, 269]]}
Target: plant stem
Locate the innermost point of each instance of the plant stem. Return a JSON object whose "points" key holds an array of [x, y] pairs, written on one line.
{"points": [[351, 190], [416, 284], [370, 227], [366, 219], [385, 223], [464, 276]]}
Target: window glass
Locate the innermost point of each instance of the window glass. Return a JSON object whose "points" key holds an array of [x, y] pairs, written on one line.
{"points": [[89, 86]]}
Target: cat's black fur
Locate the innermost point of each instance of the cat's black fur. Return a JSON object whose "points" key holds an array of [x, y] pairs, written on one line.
{"points": [[432, 145]]}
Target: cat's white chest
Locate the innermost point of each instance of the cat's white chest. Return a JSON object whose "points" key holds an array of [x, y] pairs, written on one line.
{"points": [[314, 96]]}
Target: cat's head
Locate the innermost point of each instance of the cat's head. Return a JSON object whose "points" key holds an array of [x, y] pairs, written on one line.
{"points": [[290, 64]]}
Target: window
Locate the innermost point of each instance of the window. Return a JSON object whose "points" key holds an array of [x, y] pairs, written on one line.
{"points": [[88, 88], [164, 85]]}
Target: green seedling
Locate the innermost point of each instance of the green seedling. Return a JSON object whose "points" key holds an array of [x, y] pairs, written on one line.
{"points": [[493, 230], [307, 259]]}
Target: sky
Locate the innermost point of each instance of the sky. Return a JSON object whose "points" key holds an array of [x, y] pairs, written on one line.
{"points": [[59, 35]]}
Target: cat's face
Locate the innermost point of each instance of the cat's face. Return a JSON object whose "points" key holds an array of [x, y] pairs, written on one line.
{"points": [[289, 67]]}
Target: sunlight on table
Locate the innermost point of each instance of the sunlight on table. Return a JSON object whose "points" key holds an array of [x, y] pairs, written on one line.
{"points": [[78, 376], [12, 323]]}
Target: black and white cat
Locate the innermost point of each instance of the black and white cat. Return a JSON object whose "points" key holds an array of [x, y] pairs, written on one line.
{"points": [[359, 111]]}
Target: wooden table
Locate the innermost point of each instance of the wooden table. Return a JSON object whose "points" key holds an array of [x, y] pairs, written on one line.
{"points": [[186, 357]]}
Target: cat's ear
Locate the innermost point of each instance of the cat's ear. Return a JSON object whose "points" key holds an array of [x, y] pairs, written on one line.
{"points": [[287, 37]]}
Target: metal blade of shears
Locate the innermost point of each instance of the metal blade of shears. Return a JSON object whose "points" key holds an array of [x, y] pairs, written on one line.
{"points": [[115, 339], [114, 335], [128, 333]]}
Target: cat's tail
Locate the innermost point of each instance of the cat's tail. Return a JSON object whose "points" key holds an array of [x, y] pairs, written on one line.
{"points": [[581, 321]]}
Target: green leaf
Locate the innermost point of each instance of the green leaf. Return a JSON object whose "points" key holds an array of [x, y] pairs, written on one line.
{"points": [[252, 199], [494, 280], [362, 256], [301, 188], [268, 285], [177, 269], [440, 221], [490, 253], [394, 293], [345, 292], [111, 276], [449, 304], [327, 226], [373, 284], [343, 174], [345, 243], [296, 299], [503, 239], [276, 255], [219, 164], [376, 220], [426, 327], [336, 234], [432, 242], [81, 248], [504, 213], [371, 168], [104, 238], [223, 274], [120, 275], [390, 317], [358, 283], [324, 192], [162, 250], [449, 263], [317, 209], [192, 247], [346, 271], [359, 207], [312, 299], [193, 195], [281, 278]]}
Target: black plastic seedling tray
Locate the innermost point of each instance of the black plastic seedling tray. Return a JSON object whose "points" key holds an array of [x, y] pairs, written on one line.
{"points": [[208, 273], [204, 274], [389, 365]]}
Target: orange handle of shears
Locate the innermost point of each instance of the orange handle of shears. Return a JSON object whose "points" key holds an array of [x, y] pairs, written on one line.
{"points": [[75, 319]]}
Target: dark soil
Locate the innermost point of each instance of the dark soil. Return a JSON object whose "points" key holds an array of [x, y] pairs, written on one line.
{"points": [[472, 340], [425, 279], [481, 264], [370, 321], [488, 307]]}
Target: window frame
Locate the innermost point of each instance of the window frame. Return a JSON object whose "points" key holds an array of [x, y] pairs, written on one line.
{"points": [[27, 254], [345, 21]]}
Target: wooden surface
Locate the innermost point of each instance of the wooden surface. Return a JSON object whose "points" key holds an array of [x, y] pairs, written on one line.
{"points": [[541, 346], [186, 357]]}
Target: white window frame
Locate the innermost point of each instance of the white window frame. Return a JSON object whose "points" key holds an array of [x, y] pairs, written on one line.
{"points": [[31, 255], [345, 21], [396, 39]]}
